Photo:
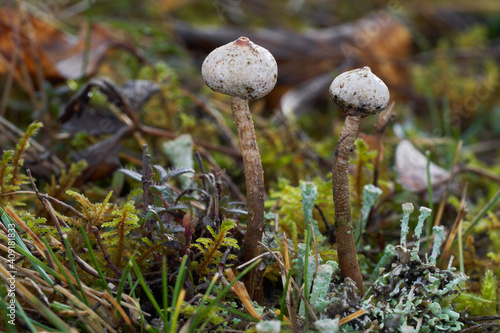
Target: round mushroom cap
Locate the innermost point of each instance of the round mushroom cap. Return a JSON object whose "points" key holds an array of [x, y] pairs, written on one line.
{"points": [[359, 92], [240, 69]]}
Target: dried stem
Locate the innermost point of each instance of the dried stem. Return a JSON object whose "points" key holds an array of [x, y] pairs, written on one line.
{"points": [[344, 230], [254, 178], [147, 175], [105, 252]]}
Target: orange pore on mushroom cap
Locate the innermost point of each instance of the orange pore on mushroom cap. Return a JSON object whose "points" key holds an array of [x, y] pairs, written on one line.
{"points": [[240, 69]]}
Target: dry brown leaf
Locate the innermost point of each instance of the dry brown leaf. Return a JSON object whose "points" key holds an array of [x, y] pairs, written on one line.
{"points": [[412, 168], [58, 55]]}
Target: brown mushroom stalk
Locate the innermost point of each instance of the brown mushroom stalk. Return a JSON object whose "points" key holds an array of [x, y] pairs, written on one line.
{"points": [[245, 71], [344, 230], [359, 93], [254, 176]]}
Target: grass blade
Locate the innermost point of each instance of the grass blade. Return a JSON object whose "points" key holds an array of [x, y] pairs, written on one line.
{"points": [[94, 259]]}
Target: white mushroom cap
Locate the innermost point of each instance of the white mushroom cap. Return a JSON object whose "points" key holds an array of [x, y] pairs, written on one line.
{"points": [[240, 69], [359, 92]]}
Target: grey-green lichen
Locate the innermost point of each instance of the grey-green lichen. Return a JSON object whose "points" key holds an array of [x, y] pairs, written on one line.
{"points": [[424, 214], [407, 210], [320, 289], [413, 295], [370, 195], [309, 194], [438, 239], [270, 326], [180, 153], [408, 294], [327, 325]]}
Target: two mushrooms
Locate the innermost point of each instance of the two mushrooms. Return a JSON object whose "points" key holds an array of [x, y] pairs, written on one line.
{"points": [[246, 71]]}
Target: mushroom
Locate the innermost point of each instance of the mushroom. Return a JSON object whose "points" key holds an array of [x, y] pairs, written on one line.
{"points": [[245, 71], [359, 93]]}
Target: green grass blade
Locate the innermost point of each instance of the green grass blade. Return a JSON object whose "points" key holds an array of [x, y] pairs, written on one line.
{"points": [[164, 285], [479, 216], [237, 312], [24, 316], [6, 219], [199, 312], [94, 260], [121, 284], [36, 262], [63, 272], [179, 282], [177, 310], [430, 221], [306, 272], [448, 132], [75, 273], [145, 287]]}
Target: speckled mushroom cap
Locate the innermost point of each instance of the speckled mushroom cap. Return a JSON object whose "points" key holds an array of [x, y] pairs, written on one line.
{"points": [[240, 69], [359, 92]]}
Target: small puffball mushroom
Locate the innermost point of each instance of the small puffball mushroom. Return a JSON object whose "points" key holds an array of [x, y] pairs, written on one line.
{"points": [[240, 69], [245, 71], [359, 93]]}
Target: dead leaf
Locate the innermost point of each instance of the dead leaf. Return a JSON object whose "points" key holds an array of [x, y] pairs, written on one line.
{"points": [[102, 157], [43, 46], [412, 168], [138, 92], [79, 102], [94, 122]]}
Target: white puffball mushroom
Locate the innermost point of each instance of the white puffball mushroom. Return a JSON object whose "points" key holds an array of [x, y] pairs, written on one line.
{"points": [[240, 69], [359, 92]]}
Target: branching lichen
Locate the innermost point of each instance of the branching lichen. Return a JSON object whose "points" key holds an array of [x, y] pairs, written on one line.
{"points": [[412, 295]]}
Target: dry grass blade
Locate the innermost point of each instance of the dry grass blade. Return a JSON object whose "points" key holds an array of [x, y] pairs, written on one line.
{"points": [[439, 214], [299, 290], [118, 307], [456, 225], [34, 301], [316, 254], [289, 295], [352, 316], [91, 312], [241, 291], [40, 246]]}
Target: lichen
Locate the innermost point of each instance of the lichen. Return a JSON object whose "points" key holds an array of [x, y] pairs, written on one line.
{"points": [[413, 295]]}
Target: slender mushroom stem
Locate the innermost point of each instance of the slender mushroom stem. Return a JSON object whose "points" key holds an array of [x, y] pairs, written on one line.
{"points": [[254, 178], [359, 93], [344, 230], [245, 71]]}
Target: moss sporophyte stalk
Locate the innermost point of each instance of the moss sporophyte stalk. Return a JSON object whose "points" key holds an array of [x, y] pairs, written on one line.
{"points": [[245, 71]]}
